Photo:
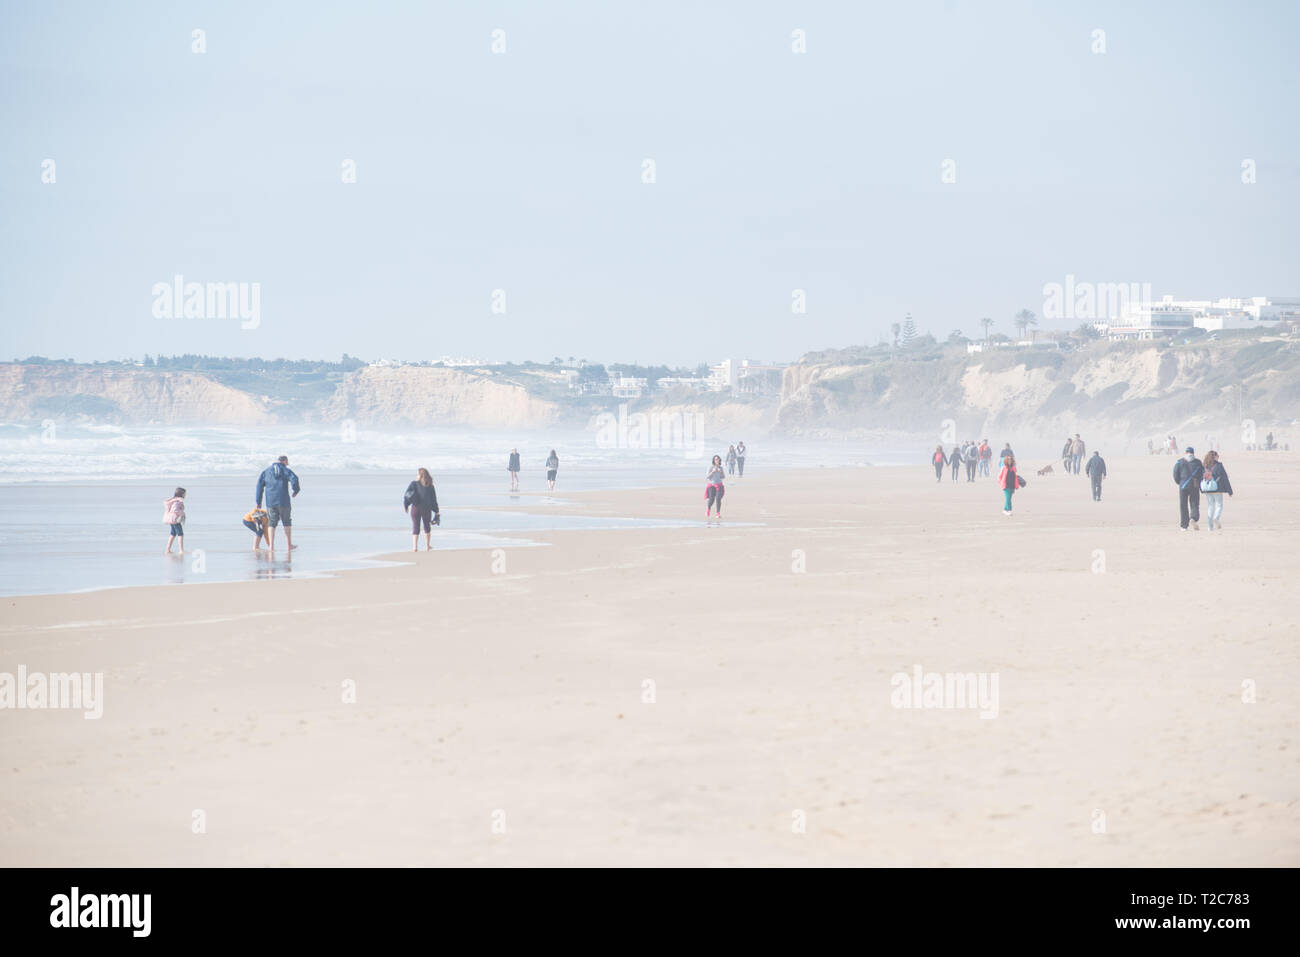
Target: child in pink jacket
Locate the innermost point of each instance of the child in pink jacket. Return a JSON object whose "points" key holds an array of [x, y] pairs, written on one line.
{"points": [[174, 515]]}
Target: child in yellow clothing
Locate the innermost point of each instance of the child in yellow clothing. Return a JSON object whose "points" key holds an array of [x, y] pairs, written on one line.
{"points": [[255, 522]]}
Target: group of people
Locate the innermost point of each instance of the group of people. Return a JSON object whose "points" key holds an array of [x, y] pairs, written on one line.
{"points": [[1194, 478], [715, 482], [277, 483], [736, 460], [975, 456], [552, 470], [1072, 455]]}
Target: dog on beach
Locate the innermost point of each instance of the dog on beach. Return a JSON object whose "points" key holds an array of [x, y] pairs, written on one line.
{"points": [[1046, 470]]}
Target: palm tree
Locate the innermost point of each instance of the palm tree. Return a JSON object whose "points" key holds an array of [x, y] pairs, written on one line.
{"points": [[1025, 319], [987, 323], [895, 328]]}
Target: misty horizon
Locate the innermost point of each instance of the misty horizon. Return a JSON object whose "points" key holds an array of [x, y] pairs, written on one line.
{"points": [[782, 182]]}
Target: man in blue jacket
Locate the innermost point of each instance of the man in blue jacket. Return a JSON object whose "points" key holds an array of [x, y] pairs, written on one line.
{"points": [[275, 481], [1096, 469], [1187, 476]]}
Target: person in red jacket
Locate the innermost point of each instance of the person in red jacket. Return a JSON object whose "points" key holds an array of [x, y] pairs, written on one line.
{"points": [[1008, 481], [939, 460]]}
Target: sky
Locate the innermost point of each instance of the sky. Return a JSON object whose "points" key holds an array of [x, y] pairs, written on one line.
{"points": [[500, 207]]}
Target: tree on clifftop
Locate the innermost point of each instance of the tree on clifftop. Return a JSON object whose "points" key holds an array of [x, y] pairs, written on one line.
{"points": [[987, 323], [1025, 319]]}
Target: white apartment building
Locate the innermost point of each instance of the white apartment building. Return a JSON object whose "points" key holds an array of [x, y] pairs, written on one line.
{"points": [[722, 377], [627, 387], [671, 382], [747, 375], [1170, 316]]}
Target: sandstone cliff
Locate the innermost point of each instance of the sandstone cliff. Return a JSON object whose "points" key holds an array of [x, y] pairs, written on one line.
{"points": [[124, 396], [1132, 389], [429, 397]]}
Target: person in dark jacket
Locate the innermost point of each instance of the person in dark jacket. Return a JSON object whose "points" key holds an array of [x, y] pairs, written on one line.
{"points": [[276, 481], [939, 460], [1214, 483], [1187, 476], [421, 501], [954, 459], [512, 466], [1096, 469]]}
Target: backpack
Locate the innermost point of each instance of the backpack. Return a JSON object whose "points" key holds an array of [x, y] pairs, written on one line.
{"points": [[1208, 482]]}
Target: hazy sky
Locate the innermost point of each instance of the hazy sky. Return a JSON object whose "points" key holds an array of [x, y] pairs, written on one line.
{"points": [[522, 171]]}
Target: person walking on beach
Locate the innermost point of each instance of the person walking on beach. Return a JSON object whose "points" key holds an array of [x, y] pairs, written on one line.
{"points": [[1009, 481], [255, 521], [1214, 483], [552, 467], [986, 456], [740, 459], [731, 460], [421, 502], [971, 459], [1187, 476], [1002, 456], [954, 459], [513, 468], [939, 460], [276, 481], [1096, 469], [174, 515], [1077, 450], [1065, 454], [714, 491]]}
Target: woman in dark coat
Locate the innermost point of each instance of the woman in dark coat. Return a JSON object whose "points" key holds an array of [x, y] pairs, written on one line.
{"points": [[421, 501], [1214, 483]]}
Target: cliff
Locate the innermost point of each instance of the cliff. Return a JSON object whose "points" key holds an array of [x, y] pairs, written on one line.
{"points": [[124, 396], [1131, 389], [429, 397], [1136, 390]]}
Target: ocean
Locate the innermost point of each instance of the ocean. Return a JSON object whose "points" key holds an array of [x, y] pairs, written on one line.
{"points": [[81, 507]]}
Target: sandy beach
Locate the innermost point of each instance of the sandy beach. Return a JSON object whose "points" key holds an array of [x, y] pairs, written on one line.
{"points": [[702, 696]]}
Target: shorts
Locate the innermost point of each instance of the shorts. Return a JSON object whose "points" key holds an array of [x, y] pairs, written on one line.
{"points": [[280, 513], [178, 529], [550, 474], [421, 514]]}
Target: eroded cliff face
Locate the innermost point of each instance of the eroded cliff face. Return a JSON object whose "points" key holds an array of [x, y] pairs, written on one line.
{"points": [[1120, 389], [429, 397], [124, 396]]}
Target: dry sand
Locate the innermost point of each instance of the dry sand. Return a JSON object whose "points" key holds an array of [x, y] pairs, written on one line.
{"points": [[516, 696]]}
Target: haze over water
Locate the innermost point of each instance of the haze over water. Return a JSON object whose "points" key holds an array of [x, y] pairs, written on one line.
{"points": [[84, 511]]}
